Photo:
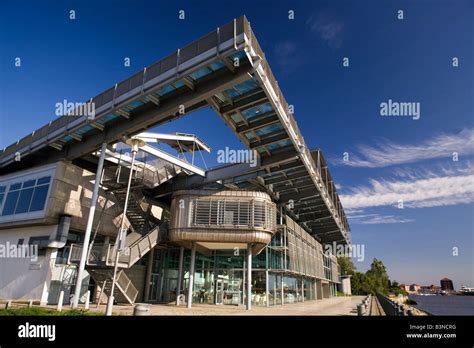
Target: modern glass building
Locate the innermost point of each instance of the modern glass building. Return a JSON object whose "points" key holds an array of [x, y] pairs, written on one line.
{"points": [[112, 214]]}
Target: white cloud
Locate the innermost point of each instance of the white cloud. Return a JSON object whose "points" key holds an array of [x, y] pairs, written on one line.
{"points": [[453, 186], [375, 219], [327, 28], [387, 153]]}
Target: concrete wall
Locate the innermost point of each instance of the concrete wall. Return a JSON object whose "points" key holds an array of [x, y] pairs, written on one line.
{"points": [[25, 278], [346, 285], [326, 290], [70, 193], [319, 290]]}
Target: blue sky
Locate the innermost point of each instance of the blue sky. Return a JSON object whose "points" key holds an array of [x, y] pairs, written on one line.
{"points": [[336, 107]]}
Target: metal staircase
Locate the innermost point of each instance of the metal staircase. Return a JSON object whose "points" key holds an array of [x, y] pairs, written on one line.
{"points": [[146, 229], [101, 260]]}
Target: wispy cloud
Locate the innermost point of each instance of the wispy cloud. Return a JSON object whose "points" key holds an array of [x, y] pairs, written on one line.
{"points": [[376, 219], [387, 153], [418, 190], [327, 28], [289, 56]]}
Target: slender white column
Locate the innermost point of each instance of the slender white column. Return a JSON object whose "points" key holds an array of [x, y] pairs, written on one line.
{"points": [[249, 277], [180, 274], [90, 220], [110, 302], [191, 276]]}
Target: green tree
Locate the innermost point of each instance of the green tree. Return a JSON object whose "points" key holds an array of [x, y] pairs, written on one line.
{"points": [[346, 264], [379, 280]]}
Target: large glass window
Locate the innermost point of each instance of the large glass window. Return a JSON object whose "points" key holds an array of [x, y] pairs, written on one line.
{"points": [[25, 197]]}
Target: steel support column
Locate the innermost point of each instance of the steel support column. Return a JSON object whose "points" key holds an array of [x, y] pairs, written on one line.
{"points": [[110, 303], [180, 275], [191, 276], [87, 236], [249, 277], [149, 270]]}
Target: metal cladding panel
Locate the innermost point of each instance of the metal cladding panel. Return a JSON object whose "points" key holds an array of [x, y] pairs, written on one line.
{"points": [[222, 217], [304, 252], [169, 62]]}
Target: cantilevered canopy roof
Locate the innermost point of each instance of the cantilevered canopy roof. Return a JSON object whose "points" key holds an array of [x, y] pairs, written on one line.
{"points": [[227, 70]]}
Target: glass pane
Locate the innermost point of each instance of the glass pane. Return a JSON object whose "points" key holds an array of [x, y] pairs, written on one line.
{"points": [[1, 198], [15, 186], [2, 189], [39, 198], [29, 183], [44, 180], [200, 73], [10, 203], [232, 93], [246, 86], [269, 129], [24, 201]]}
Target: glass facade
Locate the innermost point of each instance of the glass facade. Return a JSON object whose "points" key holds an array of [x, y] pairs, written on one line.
{"points": [[220, 277]]}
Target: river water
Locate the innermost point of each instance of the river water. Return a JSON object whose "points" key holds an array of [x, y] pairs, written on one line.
{"points": [[445, 305]]}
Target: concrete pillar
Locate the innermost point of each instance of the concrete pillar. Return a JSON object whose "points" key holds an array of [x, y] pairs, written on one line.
{"points": [[249, 277], [88, 297], [87, 235], [149, 271], [191, 276], [297, 292], [267, 279], [60, 301], [282, 290], [302, 289], [274, 289], [266, 289], [180, 274], [244, 277]]}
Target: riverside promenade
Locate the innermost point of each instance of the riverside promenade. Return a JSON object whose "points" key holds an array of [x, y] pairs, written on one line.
{"points": [[332, 306]]}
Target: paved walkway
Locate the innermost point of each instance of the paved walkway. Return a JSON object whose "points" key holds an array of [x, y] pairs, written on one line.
{"points": [[332, 306]]}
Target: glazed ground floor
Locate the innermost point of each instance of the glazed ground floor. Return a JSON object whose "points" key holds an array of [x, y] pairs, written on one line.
{"points": [[280, 275], [220, 278]]}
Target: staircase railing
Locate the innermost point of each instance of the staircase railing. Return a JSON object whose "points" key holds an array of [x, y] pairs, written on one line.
{"points": [[126, 286], [127, 258]]}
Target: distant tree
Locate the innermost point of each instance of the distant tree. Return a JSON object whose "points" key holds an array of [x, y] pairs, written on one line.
{"points": [[394, 288], [357, 280], [346, 264], [379, 280]]}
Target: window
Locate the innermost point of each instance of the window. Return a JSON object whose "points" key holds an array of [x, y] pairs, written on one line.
{"points": [[28, 196], [243, 213], [2, 194]]}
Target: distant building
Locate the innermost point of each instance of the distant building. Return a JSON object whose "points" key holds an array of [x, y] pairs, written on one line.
{"points": [[414, 287], [446, 284], [405, 287], [429, 289]]}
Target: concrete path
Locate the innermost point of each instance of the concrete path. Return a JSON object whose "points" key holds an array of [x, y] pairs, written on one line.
{"points": [[332, 306]]}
